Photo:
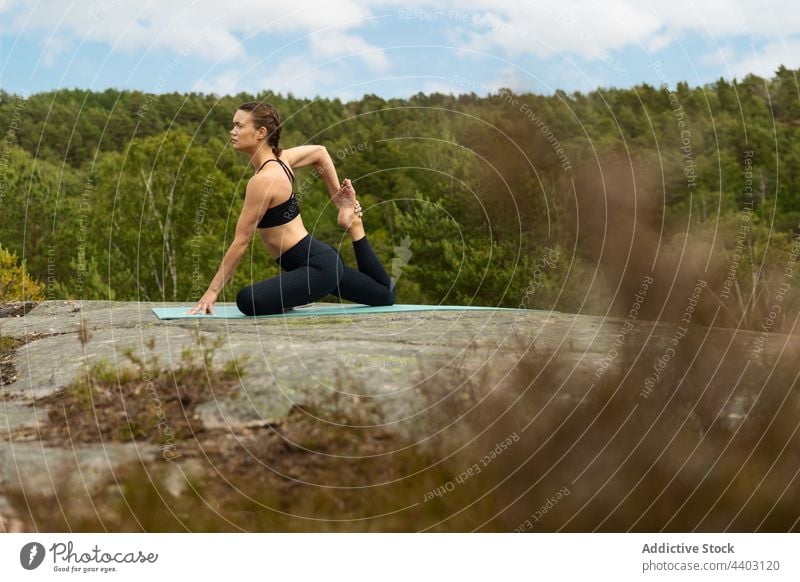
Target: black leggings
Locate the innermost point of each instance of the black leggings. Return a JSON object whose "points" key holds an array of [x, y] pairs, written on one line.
{"points": [[313, 270]]}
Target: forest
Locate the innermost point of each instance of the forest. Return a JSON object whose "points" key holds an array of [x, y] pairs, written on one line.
{"points": [[565, 202]]}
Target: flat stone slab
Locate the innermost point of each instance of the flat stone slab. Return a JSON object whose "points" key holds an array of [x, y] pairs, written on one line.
{"points": [[19, 415], [329, 362], [283, 362], [291, 361]]}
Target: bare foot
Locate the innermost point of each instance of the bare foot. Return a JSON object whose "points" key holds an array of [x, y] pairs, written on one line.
{"points": [[345, 199], [350, 216], [346, 195]]}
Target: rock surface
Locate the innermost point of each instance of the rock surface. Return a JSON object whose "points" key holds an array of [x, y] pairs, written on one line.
{"points": [[335, 361]]}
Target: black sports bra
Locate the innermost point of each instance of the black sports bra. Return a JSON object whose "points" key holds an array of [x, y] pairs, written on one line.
{"points": [[285, 211]]}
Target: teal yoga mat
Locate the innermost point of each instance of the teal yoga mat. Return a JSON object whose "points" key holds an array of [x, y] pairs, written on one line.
{"points": [[231, 312]]}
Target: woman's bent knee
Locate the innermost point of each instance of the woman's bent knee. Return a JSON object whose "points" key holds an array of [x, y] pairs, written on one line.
{"points": [[390, 297], [245, 301]]}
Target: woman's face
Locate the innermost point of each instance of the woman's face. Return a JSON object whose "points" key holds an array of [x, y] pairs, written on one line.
{"points": [[244, 135]]}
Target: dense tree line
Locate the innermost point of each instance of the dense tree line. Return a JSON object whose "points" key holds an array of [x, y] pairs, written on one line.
{"points": [[562, 201]]}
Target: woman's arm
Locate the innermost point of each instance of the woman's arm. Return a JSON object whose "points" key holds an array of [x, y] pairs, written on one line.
{"points": [[245, 227], [318, 156]]}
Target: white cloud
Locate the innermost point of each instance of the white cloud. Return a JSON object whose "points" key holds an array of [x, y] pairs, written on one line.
{"points": [[765, 60], [211, 30], [444, 88], [457, 85], [294, 75], [225, 83], [591, 29], [329, 44], [658, 41], [54, 46], [584, 31], [514, 79], [756, 18], [587, 28], [724, 55]]}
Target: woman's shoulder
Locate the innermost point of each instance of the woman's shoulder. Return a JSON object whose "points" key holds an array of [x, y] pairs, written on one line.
{"points": [[267, 176], [261, 186]]}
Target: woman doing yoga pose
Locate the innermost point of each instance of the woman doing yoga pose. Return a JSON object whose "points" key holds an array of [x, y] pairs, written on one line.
{"points": [[312, 269]]}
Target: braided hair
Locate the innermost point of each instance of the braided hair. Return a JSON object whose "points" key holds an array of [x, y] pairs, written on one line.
{"points": [[265, 115]]}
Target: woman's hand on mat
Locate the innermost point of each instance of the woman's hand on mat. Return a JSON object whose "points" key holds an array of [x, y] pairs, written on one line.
{"points": [[205, 304]]}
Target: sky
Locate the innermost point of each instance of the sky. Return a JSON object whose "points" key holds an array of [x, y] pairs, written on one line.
{"points": [[347, 48]]}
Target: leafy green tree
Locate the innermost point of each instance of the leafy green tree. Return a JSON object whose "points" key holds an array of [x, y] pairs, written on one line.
{"points": [[132, 195]]}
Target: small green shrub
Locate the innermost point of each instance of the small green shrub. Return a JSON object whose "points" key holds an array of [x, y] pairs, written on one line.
{"points": [[15, 283]]}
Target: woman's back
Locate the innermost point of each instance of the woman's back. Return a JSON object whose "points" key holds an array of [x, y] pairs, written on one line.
{"points": [[281, 226]]}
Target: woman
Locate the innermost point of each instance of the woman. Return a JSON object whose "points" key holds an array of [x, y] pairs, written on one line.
{"points": [[312, 268]]}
